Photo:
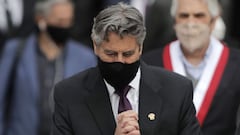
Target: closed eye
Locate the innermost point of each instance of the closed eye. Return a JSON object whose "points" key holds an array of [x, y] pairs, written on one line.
{"points": [[110, 53], [128, 54]]}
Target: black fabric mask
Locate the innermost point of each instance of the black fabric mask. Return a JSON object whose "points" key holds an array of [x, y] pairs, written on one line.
{"points": [[58, 34], [118, 74]]}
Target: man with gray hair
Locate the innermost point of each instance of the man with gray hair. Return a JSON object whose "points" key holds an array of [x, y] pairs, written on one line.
{"points": [[212, 66], [123, 95], [30, 68]]}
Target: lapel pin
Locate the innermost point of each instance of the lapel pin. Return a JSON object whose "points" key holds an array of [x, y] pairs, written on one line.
{"points": [[151, 116]]}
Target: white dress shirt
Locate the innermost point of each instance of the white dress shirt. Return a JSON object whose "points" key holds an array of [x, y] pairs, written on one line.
{"points": [[133, 94]]}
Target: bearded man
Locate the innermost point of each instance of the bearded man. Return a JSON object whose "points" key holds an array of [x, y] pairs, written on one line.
{"points": [[211, 65]]}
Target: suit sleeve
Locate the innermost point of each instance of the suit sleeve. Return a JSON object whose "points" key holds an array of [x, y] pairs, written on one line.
{"points": [[61, 122], [188, 121]]}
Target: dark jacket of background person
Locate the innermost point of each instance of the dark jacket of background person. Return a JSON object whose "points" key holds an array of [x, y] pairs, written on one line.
{"points": [[48, 56]]}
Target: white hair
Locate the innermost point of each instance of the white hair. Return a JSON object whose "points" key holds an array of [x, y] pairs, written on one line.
{"points": [[121, 19], [213, 7]]}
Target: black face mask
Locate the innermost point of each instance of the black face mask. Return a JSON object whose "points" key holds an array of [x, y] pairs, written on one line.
{"points": [[118, 74], [58, 34]]}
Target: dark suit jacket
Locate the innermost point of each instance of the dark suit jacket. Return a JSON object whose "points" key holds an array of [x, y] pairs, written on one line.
{"points": [[83, 106], [221, 118]]}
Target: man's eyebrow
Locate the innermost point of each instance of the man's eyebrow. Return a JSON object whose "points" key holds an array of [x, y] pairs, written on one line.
{"points": [[184, 14], [109, 51], [130, 51], [199, 14]]}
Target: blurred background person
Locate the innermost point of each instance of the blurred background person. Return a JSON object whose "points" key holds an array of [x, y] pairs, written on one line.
{"points": [[212, 66], [47, 56]]}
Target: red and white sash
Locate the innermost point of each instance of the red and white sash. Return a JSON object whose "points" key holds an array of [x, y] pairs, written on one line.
{"points": [[210, 78]]}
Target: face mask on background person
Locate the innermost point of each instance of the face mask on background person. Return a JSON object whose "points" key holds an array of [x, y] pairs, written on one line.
{"points": [[58, 34], [193, 36], [118, 74]]}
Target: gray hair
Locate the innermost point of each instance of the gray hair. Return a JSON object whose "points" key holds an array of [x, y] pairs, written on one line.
{"points": [[213, 7], [121, 19], [44, 7]]}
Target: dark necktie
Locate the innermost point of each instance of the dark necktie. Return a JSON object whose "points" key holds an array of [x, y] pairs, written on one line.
{"points": [[124, 103]]}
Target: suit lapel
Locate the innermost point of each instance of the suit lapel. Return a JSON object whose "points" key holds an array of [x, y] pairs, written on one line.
{"points": [[100, 105], [150, 102]]}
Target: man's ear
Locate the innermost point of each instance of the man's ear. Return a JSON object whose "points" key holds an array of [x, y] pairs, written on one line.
{"points": [[40, 21]]}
